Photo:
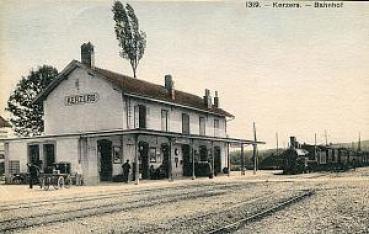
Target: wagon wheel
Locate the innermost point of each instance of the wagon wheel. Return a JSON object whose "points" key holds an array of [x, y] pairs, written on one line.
{"points": [[67, 181], [46, 183], [16, 180], [41, 181], [60, 183]]}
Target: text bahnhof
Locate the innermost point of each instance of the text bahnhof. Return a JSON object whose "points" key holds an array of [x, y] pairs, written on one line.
{"points": [[317, 4]]}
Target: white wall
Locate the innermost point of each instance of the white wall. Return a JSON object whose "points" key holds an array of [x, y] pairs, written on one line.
{"points": [[175, 118], [110, 111], [106, 113], [66, 149], [16, 150]]}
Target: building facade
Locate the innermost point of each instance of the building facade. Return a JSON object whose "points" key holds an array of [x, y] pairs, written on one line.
{"points": [[100, 119], [4, 131]]}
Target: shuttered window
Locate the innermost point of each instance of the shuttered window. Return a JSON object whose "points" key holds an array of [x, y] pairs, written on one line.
{"points": [[140, 116], [164, 120], [202, 125], [216, 127], [185, 123]]}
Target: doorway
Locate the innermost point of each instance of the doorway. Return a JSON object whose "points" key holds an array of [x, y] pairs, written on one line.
{"points": [[49, 156], [166, 160], [34, 155], [187, 160], [106, 167], [217, 160], [202, 167], [144, 159]]}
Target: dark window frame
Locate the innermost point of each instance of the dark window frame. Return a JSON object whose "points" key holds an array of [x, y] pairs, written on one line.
{"points": [[34, 153], [140, 121], [202, 125], [216, 127], [185, 123], [165, 127], [49, 161]]}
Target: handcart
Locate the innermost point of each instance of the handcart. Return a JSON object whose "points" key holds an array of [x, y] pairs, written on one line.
{"points": [[59, 178]]}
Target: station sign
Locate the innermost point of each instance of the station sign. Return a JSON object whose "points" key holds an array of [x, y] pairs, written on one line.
{"points": [[81, 99]]}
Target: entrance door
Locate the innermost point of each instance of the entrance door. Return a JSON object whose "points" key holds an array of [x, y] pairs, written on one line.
{"points": [[165, 162], [144, 159], [34, 154], [106, 167], [49, 156], [203, 165], [187, 160], [217, 160]]}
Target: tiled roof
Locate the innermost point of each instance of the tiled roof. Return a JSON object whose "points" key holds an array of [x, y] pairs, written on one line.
{"points": [[146, 89], [137, 87]]}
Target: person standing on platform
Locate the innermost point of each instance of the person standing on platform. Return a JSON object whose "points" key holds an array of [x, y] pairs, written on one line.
{"points": [[79, 174], [34, 170], [126, 167]]}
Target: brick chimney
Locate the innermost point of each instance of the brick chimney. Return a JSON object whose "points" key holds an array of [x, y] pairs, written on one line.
{"points": [[88, 54], [169, 86], [216, 99], [207, 99]]}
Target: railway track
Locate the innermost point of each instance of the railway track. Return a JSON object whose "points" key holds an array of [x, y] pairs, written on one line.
{"points": [[228, 228], [49, 213], [90, 203], [220, 220], [108, 195], [49, 218], [27, 209], [119, 203]]}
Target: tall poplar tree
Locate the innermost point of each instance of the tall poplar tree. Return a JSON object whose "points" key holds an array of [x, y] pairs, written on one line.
{"points": [[131, 39], [26, 117]]}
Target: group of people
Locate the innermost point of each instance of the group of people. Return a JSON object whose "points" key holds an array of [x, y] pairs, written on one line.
{"points": [[154, 173]]}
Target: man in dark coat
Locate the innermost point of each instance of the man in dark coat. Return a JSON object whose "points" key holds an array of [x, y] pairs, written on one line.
{"points": [[34, 170], [126, 167]]}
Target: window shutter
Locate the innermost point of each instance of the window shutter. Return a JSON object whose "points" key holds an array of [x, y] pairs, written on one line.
{"points": [[168, 121], [136, 115], [162, 120], [130, 121], [148, 122]]}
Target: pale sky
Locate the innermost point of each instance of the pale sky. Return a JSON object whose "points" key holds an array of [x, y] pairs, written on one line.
{"points": [[292, 71]]}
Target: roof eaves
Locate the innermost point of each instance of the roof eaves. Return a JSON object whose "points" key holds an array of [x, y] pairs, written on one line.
{"points": [[61, 76]]}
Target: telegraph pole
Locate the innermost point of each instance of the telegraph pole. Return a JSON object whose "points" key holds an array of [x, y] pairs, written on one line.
{"points": [[316, 158], [326, 138], [254, 148], [277, 144]]}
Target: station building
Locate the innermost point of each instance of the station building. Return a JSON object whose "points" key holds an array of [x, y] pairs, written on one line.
{"points": [[99, 119]]}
